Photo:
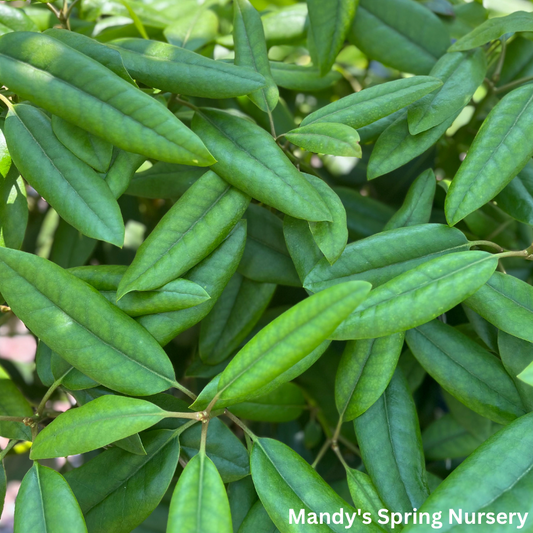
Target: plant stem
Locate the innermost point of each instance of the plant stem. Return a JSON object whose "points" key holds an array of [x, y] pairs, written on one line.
{"points": [[5, 309], [12, 419], [243, 426], [8, 448], [185, 390], [522, 253], [321, 453], [203, 439], [50, 391], [352, 447], [54, 11], [499, 66], [8, 103], [186, 103], [272, 126], [490, 244], [193, 416], [513, 84]]}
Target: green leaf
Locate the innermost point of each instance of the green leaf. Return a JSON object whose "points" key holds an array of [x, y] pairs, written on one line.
{"points": [[288, 339], [54, 76], [506, 302], [241, 496], [236, 312], [110, 417], [13, 205], [467, 371], [396, 146], [76, 191], [285, 25], [372, 104], [70, 247], [122, 170], [504, 464], [326, 138], [195, 30], [418, 203], [516, 199], [213, 274], [499, 152], [418, 295], [516, 356], [300, 78], [364, 372], [251, 52], [329, 24], [177, 70], [13, 403], [391, 447], [199, 502], [3, 486], [71, 378], [400, 34], [284, 481], [258, 521], [461, 73], [382, 257], [13, 19], [283, 404], [92, 150], [493, 29], [45, 503], [72, 318], [117, 490], [249, 159], [266, 258], [195, 225]]}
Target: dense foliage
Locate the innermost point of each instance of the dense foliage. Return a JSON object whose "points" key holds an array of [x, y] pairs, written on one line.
{"points": [[276, 259]]}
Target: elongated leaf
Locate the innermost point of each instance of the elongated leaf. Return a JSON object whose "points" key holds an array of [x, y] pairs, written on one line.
{"points": [[194, 30], [364, 372], [504, 464], [213, 273], [110, 417], [467, 371], [13, 206], [370, 105], [289, 338], [506, 302], [75, 191], [299, 78], [13, 403], [70, 247], [13, 19], [71, 377], [45, 503], [399, 33], [195, 225], [418, 203], [122, 170], [493, 29], [3, 486], [249, 159], [117, 490], [199, 502], [516, 199], [391, 446], [499, 152], [284, 482], [285, 25], [251, 52], [462, 74], [418, 295], [258, 521], [329, 24], [238, 309], [73, 319], [182, 71], [327, 138], [241, 496], [92, 150], [55, 77], [382, 257]]}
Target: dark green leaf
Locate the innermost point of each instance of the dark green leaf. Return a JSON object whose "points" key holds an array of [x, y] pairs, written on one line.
{"points": [[13, 403]]}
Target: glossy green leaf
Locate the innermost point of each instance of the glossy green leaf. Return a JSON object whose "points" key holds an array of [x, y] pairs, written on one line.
{"points": [[391, 447], [72, 318], [199, 502], [249, 159], [110, 417], [195, 225], [14, 19], [461, 73], [285, 25], [258, 521], [504, 464], [364, 372], [55, 77], [71, 377], [506, 302], [241, 496], [418, 203], [299, 78], [13, 205], [499, 152], [329, 24], [484, 329], [251, 52], [13, 403], [123, 168], [289, 338], [326, 138], [76, 191], [236, 312], [418, 295], [474, 423], [177, 70], [266, 258], [467, 371], [493, 29], [516, 199], [382, 257], [517, 355], [213, 274], [372, 104], [196, 29], [45, 503], [70, 247], [285, 481], [401, 34], [92, 150], [117, 490]]}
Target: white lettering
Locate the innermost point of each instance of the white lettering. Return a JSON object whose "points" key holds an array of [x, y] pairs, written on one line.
{"points": [[293, 519], [458, 519], [522, 522]]}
